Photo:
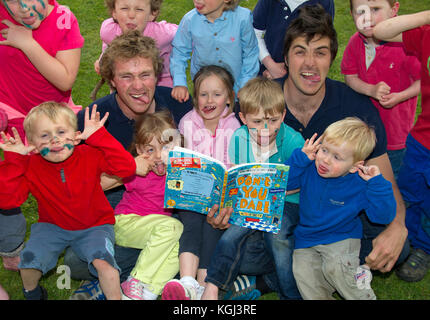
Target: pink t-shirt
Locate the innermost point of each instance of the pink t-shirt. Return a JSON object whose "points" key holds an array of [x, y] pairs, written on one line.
{"points": [[417, 42], [200, 139], [162, 32], [395, 68], [21, 85], [143, 196]]}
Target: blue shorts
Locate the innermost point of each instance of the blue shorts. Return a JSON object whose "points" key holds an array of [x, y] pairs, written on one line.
{"points": [[47, 241]]}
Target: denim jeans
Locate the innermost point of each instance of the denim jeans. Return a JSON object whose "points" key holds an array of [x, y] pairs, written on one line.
{"points": [[246, 251], [370, 232], [414, 184], [396, 160]]}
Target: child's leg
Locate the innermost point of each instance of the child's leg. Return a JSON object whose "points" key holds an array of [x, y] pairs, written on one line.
{"points": [[3, 294], [12, 235], [226, 260], [109, 279], [95, 246], [210, 237], [307, 269], [190, 246], [340, 264], [30, 278], [281, 247], [158, 237], [40, 255]]}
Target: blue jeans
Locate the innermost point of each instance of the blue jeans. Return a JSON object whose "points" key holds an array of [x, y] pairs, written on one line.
{"points": [[414, 184], [246, 251], [396, 160], [12, 231], [370, 232]]}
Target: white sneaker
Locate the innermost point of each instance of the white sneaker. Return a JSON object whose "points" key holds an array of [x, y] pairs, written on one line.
{"points": [[177, 290]]}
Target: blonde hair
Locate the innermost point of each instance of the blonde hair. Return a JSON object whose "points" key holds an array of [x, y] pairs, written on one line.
{"points": [[261, 93], [223, 74], [159, 124], [54, 111], [128, 46], [155, 5], [356, 133]]}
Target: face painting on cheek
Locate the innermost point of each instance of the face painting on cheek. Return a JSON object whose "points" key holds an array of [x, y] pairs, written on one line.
{"points": [[44, 152], [33, 12]]}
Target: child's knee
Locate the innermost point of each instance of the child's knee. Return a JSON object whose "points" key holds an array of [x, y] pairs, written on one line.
{"points": [[102, 265]]}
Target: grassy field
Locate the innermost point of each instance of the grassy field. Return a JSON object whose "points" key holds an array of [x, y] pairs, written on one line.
{"points": [[90, 14]]}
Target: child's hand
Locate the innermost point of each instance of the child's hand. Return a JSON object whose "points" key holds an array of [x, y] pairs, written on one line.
{"points": [[380, 90], [390, 100], [14, 144], [92, 124], [143, 165], [368, 172], [180, 93], [311, 147], [275, 71], [16, 36]]}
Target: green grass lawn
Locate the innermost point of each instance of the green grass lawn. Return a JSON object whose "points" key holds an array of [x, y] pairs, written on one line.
{"points": [[90, 14]]}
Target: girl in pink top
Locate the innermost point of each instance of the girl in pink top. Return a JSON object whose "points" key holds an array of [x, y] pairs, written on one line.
{"points": [[40, 50], [141, 220], [140, 15], [207, 129]]}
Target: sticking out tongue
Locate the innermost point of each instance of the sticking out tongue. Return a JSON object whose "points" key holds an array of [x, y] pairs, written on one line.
{"points": [[311, 76], [144, 98], [160, 168]]}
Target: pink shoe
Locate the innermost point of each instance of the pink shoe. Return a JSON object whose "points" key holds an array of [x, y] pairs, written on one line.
{"points": [[3, 294], [176, 290], [132, 289], [11, 263]]}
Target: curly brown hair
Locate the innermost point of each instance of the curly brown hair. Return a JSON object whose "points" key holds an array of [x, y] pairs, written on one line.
{"points": [[128, 46]]}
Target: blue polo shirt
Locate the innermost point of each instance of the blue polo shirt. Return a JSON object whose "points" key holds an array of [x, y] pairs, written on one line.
{"points": [[341, 101]]}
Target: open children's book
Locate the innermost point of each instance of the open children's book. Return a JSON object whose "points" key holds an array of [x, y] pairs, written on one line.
{"points": [[256, 191]]}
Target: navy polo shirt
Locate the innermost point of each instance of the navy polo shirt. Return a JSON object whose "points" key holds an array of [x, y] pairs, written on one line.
{"points": [[121, 127], [117, 124], [341, 101], [275, 17]]}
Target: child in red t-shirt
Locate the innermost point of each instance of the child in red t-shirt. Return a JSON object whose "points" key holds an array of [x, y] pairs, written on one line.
{"points": [[383, 71], [64, 177], [414, 176]]}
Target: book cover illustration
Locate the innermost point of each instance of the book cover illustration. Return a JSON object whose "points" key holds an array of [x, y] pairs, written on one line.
{"points": [[257, 194], [256, 191]]}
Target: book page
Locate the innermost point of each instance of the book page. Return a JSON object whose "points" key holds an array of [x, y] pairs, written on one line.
{"points": [[193, 182]]}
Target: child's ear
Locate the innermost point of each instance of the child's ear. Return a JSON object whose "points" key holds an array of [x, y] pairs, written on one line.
{"points": [[395, 9], [139, 149], [242, 118], [283, 114], [355, 166], [154, 15]]}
